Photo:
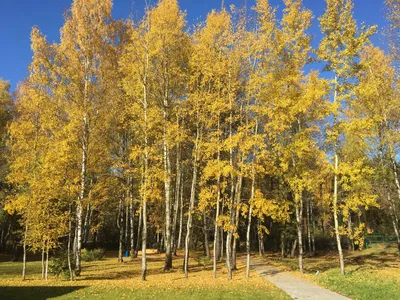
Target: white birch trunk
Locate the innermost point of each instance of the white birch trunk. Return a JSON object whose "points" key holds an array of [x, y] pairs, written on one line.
{"points": [[177, 194], [238, 195], [24, 254], [309, 225], [299, 220], [216, 229], [179, 246], [132, 220], [47, 263], [393, 217], [191, 203], [335, 193], [71, 275], [43, 258], [248, 245], [205, 232], [120, 226], [139, 232]]}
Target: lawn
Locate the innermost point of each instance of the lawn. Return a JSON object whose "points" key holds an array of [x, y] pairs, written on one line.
{"points": [[108, 279], [370, 274]]}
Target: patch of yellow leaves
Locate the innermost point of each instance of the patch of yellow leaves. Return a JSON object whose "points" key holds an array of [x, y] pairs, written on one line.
{"points": [[109, 273]]}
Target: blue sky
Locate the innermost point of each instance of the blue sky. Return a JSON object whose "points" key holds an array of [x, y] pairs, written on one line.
{"points": [[18, 16]]}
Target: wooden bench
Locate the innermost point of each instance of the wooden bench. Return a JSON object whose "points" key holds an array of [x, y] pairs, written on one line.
{"points": [[378, 239]]}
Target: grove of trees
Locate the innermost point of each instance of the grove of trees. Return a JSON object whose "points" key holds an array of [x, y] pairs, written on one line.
{"points": [[239, 133]]}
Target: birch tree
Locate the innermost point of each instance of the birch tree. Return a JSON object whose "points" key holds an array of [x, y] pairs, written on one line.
{"points": [[85, 43], [339, 48]]}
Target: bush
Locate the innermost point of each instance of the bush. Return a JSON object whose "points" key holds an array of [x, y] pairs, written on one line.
{"points": [[324, 242], [59, 264], [92, 255]]}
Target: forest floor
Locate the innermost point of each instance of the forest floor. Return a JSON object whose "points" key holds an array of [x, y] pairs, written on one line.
{"points": [[370, 274], [108, 279]]}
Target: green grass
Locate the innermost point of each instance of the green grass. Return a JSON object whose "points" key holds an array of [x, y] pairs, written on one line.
{"points": [[370, 274], [361, 284], [108, 279], [44, 292]]}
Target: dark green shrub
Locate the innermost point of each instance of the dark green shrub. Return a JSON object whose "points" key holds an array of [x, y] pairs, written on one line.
{"points": [[92, 255], [58, 264]]}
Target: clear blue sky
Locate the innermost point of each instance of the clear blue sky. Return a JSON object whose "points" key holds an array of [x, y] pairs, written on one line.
{"points": [[18, 16]]}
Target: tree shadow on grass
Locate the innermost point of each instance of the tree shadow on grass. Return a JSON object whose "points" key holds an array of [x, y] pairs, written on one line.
{"points": [[374, 261], [358, 260], [35, 292]]}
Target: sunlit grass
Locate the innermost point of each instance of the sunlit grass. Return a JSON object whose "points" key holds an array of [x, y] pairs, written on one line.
{"points": [[108, 279], [370, 274]]}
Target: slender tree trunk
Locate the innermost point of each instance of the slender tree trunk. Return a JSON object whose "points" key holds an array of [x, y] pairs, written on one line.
{"points": [[4, 238], [139, 232], [24, 254], [158, 243], [126, 239], [85, 148], [47, 263], [248, 245], [167, 188], [189, 221], [299, 219], [167, 176], [79, 208], [205, 231], [393, 217], [309, 225], [230, 231], [177, 194], [1, 241], [162, 242], [120, 226], [95, 239], [75, 243], [221, 234], [260, 240], [146, 153], [71, 275], [312, 226], [335, 192], [282, 244], [396, 177], [248, 242], [231, 214], [86, 224], [43, 256], [229, 253], [216, 228], [78, 238], [144, 239], [335, 216], [294, 246], [132, 220], [350, 227], [238, 195], [191, 203], [179, 246]]}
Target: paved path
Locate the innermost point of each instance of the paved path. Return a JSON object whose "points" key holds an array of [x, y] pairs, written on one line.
{"points": [[294, 286]]}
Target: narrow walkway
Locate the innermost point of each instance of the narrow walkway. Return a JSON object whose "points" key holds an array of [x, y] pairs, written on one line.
{"points": [[294, 286]]}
